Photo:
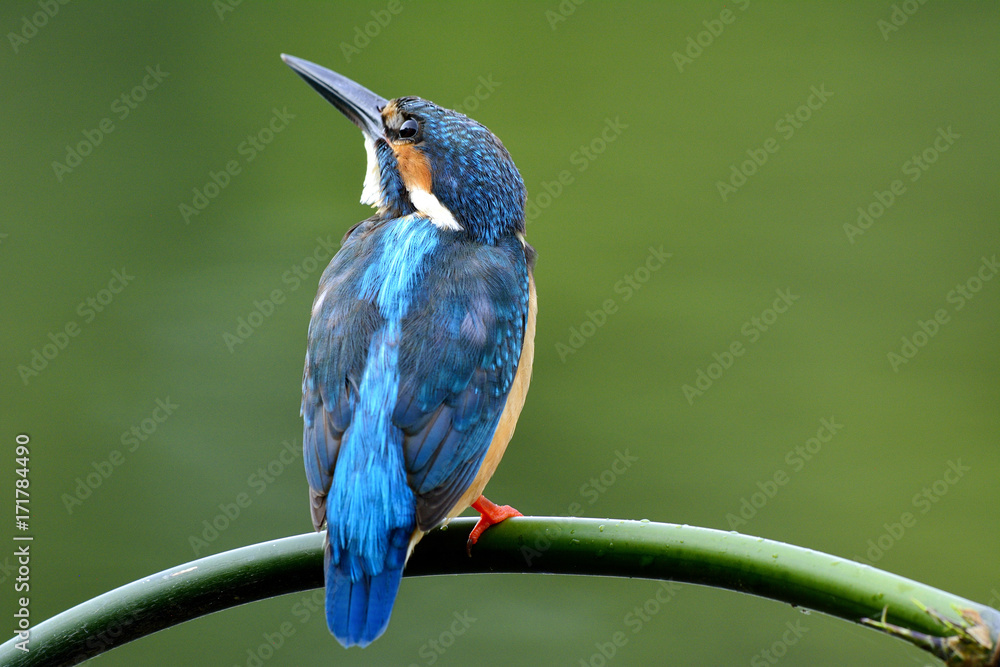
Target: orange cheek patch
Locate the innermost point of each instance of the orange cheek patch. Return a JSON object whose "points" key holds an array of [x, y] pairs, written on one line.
{"points": [[413, 167]]}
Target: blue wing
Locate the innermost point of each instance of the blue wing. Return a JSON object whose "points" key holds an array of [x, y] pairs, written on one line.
{"points": [[340, 332], [458, 357], [459, 347], [413, 346]]}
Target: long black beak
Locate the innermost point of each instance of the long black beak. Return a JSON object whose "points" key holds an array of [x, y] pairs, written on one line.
{"points": [[360, 105]]}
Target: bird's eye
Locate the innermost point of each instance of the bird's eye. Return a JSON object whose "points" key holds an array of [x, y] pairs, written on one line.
{"points": [[408, 129]]}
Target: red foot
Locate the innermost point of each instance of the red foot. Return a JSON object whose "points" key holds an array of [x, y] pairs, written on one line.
{"points": [[489, 514]]}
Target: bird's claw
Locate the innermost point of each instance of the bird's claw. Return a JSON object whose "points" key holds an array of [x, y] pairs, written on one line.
{"points": [[489, 514]]}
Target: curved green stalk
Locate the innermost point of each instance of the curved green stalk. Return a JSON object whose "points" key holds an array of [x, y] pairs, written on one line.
{"points": [[951, 627]]}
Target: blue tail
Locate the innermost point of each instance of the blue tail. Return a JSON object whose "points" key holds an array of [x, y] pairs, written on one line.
{"points": [[358, 607]]}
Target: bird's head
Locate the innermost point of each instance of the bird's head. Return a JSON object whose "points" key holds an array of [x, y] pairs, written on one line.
{"points": [[427, 159]]}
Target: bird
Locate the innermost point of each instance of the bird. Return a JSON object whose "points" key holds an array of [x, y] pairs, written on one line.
{"points": [[420, 346]]}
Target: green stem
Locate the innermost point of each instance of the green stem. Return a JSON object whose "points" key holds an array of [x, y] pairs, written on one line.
{"points": [[782, 572]]}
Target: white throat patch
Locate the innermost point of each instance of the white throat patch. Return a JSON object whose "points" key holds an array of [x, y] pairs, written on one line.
{"points": [[426, 203], [431, 207], [371, 194]]}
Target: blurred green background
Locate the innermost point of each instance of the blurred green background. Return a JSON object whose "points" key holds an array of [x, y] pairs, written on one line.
{"points": [[622, 143]]}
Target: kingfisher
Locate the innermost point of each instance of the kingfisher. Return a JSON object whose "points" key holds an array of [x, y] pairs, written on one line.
{"points": [[419, 349]]}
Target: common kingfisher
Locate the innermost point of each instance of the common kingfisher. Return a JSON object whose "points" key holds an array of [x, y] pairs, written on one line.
{"points": [[420, 346]]}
